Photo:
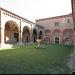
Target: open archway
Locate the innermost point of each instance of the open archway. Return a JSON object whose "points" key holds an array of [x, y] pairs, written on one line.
{"points": [[47, 36], [68, 34], [34, 35], [11, 32], [57, 36], [40, 35], [26, 35]]}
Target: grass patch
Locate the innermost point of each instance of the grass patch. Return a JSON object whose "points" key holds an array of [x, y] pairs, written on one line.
{"points": [[28, 59]]}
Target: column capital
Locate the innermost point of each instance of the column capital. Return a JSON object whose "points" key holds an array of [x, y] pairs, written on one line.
{"points": [[20, 31]]}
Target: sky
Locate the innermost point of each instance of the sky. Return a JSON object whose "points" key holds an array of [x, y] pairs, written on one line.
{"points": [[37, 9]]}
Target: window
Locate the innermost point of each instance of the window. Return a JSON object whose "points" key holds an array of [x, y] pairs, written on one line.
{"points": [[56, 23]]}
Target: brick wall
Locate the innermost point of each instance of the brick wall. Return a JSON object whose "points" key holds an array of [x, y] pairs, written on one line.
{"points": [[73, 14], [61, 23], [73, 11]]}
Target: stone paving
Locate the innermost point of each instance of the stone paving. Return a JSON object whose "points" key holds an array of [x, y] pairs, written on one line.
{"points": [[56, 70], [71, 62]]}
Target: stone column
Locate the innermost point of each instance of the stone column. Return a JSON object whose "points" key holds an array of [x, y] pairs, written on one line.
{"points": [[20, 37], [20, 34], [38, 33], [43, 34], [2, 36], [31, 35]]}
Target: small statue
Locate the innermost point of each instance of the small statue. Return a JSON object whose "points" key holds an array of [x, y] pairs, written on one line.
{"points": [[39, 42]]}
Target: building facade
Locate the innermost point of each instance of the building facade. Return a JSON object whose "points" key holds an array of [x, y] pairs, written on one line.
{"points": [[58, 30], [17, 30]]}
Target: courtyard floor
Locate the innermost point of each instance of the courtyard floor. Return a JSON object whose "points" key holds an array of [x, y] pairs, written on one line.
{"points": [[28, 59]]}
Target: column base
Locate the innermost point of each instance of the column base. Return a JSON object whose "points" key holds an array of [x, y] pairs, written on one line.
{"points": [[31, 42], [20, 43], [6, 46]]}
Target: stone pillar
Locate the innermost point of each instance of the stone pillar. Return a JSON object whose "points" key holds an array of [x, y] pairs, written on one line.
{"points": [[31, 35], [43, 35], [20, 37], [20, 34], [38, 33], [2, 36]]}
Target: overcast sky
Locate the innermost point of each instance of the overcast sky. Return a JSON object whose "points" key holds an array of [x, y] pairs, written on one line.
{"points": [[37, 9]]}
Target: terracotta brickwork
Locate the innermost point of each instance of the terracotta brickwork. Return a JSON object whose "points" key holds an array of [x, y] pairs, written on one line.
{"points": [[58, 26], [73, 11], [73, 14]]}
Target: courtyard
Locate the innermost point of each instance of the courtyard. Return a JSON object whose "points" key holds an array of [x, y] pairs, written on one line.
{"points": [[28, 59]]}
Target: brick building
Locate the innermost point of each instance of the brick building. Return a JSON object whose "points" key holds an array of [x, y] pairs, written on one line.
{"points": [[58, 29], [73, 14]]}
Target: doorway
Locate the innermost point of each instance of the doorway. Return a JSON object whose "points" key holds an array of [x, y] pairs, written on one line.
{"points": [[56, 40]]}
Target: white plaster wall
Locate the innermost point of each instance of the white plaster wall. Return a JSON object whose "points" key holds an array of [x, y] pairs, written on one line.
{"points": [[34, 27], [5, 18], [23, 24]]}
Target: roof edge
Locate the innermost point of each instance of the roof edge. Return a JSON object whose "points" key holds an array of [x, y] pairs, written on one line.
{"points": [[54, 17]]}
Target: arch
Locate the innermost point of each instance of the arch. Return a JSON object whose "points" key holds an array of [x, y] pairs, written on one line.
{"points": [[40, 35], [11, 34], [67, 30], [47, 32], [34, 35], [47, 39], [57, 36], [67, 35], [26, 34], [12, 24], [56, 31]]}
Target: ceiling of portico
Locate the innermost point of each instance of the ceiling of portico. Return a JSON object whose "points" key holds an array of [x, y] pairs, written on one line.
{"points": [[11, 25]]}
